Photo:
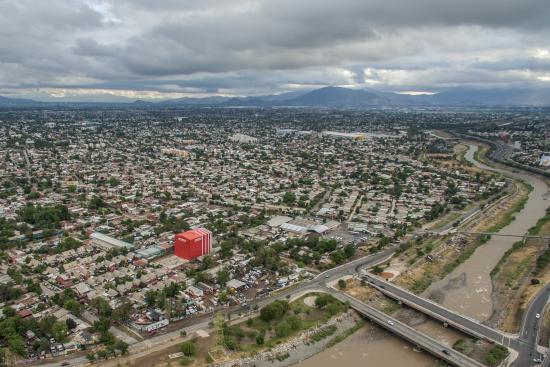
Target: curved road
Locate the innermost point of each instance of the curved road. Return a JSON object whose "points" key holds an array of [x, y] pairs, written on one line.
{"points": [[530, 326], [526, 347]]}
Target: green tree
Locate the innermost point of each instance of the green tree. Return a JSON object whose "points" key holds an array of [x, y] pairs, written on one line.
{"points": [[74, 306], [102, 307], [59, 331], [349, 250], [122, 346], [91, 357], [96, 203], [282, 329], [274, 310], [17, 345], [151, 298], [289, 198], [223, 277], [188, 348], [342, 284], [295, 322]]}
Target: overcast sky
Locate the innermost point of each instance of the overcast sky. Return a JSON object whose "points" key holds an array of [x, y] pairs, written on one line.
{"points": [[175, 48]]}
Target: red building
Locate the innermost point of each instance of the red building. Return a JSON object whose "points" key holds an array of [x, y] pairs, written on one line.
{"points": [[192, 244]]}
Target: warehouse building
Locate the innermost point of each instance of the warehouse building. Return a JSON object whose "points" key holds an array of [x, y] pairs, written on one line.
{"points": [[150, 252], [107, 243]]}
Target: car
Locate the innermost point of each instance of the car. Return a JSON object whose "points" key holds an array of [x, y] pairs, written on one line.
{"points": [[446, 352], [65, 364], [537, 316], [391, 322], [326, 276]]}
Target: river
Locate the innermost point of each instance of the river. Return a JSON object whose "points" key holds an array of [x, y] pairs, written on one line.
{"points": [[468, 288], [370, 346]]}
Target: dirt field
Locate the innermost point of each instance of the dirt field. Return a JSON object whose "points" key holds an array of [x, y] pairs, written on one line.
{"points": [[365, 294], [512, 283]]}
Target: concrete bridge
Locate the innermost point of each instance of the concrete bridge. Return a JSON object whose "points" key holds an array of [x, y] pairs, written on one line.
{"points": [[415, 337], [451, 318]]}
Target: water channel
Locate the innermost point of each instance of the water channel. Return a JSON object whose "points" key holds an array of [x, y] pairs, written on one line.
{"points": [[468, 288]]}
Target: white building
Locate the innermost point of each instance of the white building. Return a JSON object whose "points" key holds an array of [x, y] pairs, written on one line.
{"points": [[107, 243]]}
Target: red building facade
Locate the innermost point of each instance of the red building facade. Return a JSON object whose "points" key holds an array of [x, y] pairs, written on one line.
{"points": [[194, 243]]}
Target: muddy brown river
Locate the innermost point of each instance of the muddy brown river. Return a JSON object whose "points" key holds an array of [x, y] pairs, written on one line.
{"points": [[468, 288], [373, 346], [370, 346]]}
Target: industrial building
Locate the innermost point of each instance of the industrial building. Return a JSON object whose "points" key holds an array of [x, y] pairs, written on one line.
{"points": [[192, 244], [107, 243], [243, 139], [353, 136], [150, 252]]}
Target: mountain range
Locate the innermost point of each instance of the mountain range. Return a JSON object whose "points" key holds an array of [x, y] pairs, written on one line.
{"points": [[338, 97]]}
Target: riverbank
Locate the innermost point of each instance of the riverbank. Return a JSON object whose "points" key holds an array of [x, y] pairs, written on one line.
{"points": [[303, 346], [371, 346], [468, 288], [518, 277]]}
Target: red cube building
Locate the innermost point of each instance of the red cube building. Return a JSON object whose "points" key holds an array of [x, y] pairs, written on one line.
{"points": [[192, 244]]}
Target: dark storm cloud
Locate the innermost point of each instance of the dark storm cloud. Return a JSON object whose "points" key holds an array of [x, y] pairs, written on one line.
{"points": [[257, 46]]}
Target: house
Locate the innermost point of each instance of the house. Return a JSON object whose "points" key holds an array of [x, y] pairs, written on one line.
{"points": [[64, 281]]}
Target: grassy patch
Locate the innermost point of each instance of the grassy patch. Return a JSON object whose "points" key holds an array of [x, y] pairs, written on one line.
{"points": [[496, 355], [507, 218], [449, 218], [536, 229], [420, 285], [516, 246], [480, 154], [390, 306], [345, 334], [280, 321], [510, 214], [460, 345], [323, 333]]}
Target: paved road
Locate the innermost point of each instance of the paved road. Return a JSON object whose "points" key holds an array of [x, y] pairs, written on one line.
{"points": [[408, 333], [529, 330], [317, 283], [435, 310], [525, 344]]}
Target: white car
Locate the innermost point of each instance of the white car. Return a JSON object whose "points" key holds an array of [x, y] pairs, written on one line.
{"points": [[537, 316], [391, 322]]}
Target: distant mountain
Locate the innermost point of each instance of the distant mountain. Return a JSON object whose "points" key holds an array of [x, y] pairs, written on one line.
{"points": [[338, 97], [14, 102], [491, 97], [332, 97], [215, 100]]}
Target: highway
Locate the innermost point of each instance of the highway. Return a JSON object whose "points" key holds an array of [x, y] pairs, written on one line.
{"points": [[317, 284], [406, 332], [529, 330], [525, 344], [435, 310]]}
